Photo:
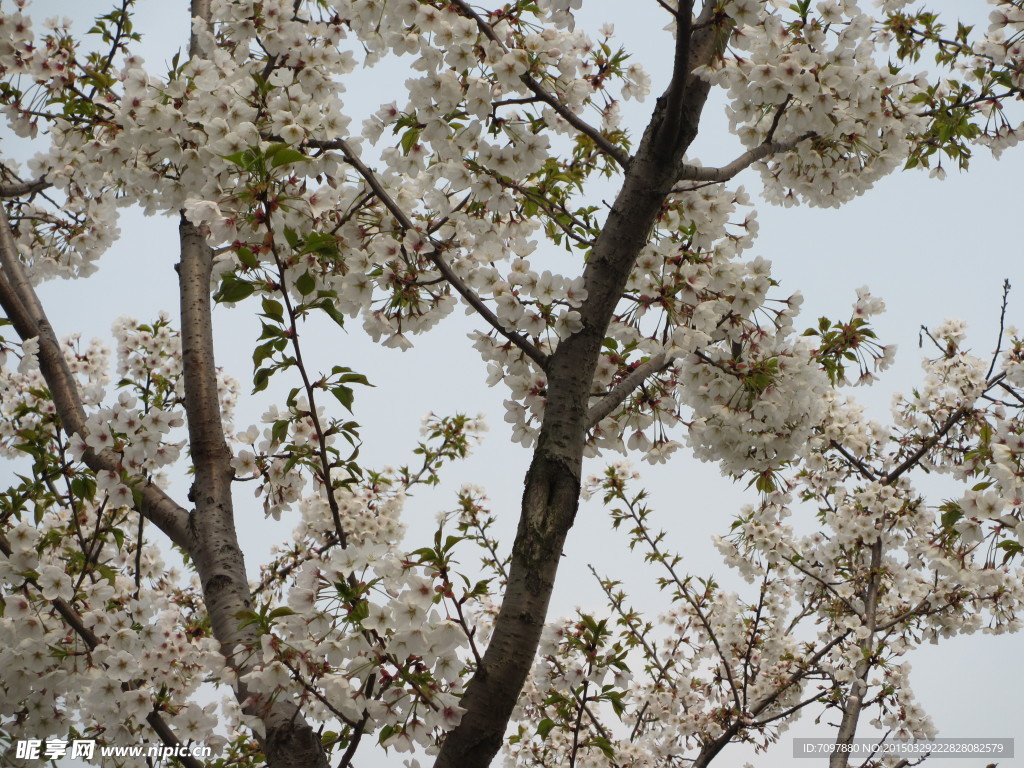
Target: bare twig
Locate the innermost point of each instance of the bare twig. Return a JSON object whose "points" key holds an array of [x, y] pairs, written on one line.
{"points": [[1002, 328], [777, 118]]}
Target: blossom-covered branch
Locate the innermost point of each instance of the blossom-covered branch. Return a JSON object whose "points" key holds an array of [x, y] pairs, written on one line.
{"points": [[434, 252], [614, 152], [75, 620], [22, 307]]}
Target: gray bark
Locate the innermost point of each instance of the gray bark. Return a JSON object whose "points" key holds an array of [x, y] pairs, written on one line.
{"points": [[855, 696], [289, 742], [551, 495]]}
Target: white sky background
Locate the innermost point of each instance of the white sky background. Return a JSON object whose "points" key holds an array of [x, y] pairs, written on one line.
{"points": [[930, 249]]}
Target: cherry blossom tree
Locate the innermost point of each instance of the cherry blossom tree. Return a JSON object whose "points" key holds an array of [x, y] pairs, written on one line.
{"points": [[636, 327]]}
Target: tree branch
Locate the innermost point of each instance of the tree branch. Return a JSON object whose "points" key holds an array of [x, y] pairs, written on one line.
{"points": [[624, 388], [930, 443], [434, 255], [681, 61], [74, 620], [711, 750], [614, 152], [1004, 304], [19, 188], [23, 308], [863, 468], [855, 699], [552, 489], [200, 10], [289, 741], [744, 161]]}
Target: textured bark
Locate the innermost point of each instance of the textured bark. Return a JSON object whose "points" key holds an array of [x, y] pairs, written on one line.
{"points": [[551, 495], [290, 741]]}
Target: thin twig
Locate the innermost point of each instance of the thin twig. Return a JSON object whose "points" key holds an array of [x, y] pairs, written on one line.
{"points": [[321, 438], [1002, 327], [777, 118]]}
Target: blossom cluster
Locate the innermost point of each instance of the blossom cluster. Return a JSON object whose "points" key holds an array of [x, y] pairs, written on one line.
{"points": [[854, 568]]}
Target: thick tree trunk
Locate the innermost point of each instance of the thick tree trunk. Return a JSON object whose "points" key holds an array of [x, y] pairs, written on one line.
{"points": [[551, 495]]}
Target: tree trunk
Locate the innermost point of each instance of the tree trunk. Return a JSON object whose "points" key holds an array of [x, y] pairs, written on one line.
{"points": [[551, 495]]}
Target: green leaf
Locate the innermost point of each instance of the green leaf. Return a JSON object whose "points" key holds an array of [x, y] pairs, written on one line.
{"points": [[604, 745], [345, 396], [349, 376], [247, 257], [260, 379], [246, 159], [286, 156], [232, 290], [317, 242], [951, 513], [332, 312], [273, 310], [545, 726], [247, 617], [305, 284], [409, 139], [261, 353], [1011, 549]]}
